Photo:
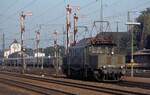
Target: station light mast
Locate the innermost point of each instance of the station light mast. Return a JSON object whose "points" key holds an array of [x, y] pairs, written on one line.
{"points": [[132, 59]]}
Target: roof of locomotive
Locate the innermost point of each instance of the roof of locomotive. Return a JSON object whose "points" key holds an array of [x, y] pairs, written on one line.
{"points": [[95, 41]]}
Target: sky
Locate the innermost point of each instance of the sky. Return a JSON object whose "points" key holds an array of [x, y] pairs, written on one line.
{"points": [[51, 16]]}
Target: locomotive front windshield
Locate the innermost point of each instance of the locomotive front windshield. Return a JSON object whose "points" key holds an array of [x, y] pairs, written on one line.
{"points": [[101, 49]]}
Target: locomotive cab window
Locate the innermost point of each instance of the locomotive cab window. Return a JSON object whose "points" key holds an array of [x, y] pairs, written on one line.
{"points": [[101, 49]]}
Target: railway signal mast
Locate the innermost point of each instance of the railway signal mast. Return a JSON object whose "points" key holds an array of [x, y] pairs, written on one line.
{"points": [[37, 45], [68, 26], [75, 27], [22, 26]]}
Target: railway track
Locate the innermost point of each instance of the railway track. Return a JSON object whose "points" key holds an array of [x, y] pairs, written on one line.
{"points": [[91, 87], [32, 87], [134, 84]]}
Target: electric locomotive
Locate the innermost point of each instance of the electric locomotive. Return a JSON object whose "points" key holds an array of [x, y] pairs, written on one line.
{"points": [[94, 58]]}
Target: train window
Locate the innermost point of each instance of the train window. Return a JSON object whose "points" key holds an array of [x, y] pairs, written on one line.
{"points": [[94, 50], [100, 50], [90, 49]]}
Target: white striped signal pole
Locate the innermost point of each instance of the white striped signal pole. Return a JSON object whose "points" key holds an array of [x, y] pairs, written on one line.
{"points": [[68, 26], [22, 27], [75, 10]]}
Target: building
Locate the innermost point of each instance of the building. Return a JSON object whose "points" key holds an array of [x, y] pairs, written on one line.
{"points": [[39, 54], [14, 47], [6, 53]]}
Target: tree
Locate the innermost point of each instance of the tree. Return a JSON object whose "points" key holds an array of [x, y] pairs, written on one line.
{"points": [[143, 31], [50, 50], [125, 44]]}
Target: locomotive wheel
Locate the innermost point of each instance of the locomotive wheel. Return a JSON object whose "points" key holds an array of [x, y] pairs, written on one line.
{"points": [[99, 76], [116, 76], [112, 76]]}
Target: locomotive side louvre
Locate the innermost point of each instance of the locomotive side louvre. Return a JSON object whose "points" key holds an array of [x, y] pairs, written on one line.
{"points": [[76, 58], [93, 61]]}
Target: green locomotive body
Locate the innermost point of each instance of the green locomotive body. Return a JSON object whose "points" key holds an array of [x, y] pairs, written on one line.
{"points": [[95, 59]]}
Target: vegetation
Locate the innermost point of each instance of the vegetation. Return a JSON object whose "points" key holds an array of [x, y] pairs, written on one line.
{"points": [[143, 31], [49, 51], [124, 44]]}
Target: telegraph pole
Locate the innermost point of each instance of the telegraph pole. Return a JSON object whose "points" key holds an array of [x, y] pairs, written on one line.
{"points": [[37, 45], [64, 35], [42, 60], [56, 53], [3, 49], [75, 27]]}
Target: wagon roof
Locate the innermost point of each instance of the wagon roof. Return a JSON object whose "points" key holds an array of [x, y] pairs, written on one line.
{"points": [[143, 52]]}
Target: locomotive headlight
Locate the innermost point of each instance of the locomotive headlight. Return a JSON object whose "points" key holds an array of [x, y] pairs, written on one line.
{"points": [[112, 52], [104, 67], [122, 67]]}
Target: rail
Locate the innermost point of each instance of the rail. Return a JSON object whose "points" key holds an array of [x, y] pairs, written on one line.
{"points": [[116, 91]]}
